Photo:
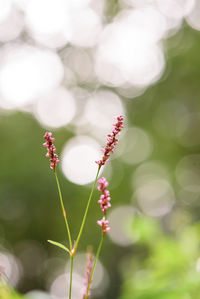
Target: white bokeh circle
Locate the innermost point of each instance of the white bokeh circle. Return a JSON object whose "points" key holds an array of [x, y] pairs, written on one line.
{"points": [[56, 109], [78, 160]]}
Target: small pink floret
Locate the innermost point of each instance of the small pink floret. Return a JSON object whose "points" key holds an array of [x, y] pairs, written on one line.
{"points": [[47, 134], [104, 224], [104, 200], [103, 184]]}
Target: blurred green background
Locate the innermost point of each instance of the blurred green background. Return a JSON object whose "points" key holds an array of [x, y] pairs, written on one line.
{"points": [[152, 250]]}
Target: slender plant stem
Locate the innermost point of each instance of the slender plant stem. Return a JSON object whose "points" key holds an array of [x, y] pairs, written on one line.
{"points": [[95, 262], [71, 271], [86, 211], [63, 210]]}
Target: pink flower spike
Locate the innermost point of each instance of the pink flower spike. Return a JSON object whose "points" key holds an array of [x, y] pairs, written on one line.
{"points": [[112, 141], [51, 150], [103, 184], [104, 224], [104, 200]]}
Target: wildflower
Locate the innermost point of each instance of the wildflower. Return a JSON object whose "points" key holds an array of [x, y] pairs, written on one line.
{"points": [[104, 224], [104, 200], [51, 150], [112, 141], [88, 274]]}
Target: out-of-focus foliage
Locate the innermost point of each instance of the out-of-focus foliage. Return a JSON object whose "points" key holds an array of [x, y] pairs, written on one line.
{"points": [[6, 292], [164, 266]]}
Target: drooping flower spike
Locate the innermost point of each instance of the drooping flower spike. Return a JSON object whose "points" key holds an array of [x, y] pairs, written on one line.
{"points": [[51, 150], [112, 141]]}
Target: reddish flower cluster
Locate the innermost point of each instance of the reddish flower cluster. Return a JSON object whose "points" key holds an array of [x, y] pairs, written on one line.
{"points": [[112, 141], [104, 203], [104, 224], [51, 150], [105, 197], [88, 274]]}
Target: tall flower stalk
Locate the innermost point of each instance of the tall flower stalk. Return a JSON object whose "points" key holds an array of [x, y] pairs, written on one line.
{"points": [[112, 141], [51, 149], [104, 201]]}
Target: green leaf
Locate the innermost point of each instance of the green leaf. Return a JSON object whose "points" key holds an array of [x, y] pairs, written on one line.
{"points": [[59, 245]]}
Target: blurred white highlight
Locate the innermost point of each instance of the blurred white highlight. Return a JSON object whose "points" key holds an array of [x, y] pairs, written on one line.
{"points": [[101, 111], [193, 19], [60, 286], [12, 26], [27, 73], [54, 23], [139, 3], [176, 9], [56, 109], [150, 170], [48, 21], [120, 219], [86, 27], [135, 145], [21, 4], [46, 16], [11, 267], [155, 197], [78, 160], [80, 62], [128, 50], [5, 7]]}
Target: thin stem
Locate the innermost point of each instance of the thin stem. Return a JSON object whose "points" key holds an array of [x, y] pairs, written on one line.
{"points": [[95, 262], [86, 211], [71, 271], [63, 210]]}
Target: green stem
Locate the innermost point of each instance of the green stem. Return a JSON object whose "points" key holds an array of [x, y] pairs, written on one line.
{"points": [[71, 270], [86, 211], [95, 262], [63, 210]]}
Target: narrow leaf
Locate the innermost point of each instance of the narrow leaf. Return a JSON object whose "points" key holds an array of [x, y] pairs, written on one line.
{"points": [[59, 245]]}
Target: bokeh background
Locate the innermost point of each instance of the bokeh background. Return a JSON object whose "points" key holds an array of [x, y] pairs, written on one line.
{"points": [[71, 67]]}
